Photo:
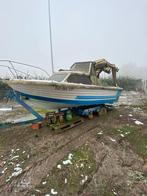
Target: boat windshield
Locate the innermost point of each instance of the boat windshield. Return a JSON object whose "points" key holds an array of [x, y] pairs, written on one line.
{"points": [[79, 79], [58, 77], [83, 67]]}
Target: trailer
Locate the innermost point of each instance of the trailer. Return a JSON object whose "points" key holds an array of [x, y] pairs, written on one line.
{"points": [[62, 119]]}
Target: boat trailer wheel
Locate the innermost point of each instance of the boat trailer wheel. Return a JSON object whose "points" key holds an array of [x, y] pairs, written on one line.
{"points": [[102, 111], [90, 115]]}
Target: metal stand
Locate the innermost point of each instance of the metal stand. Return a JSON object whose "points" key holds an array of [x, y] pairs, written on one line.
{"points": [[17, 97]]}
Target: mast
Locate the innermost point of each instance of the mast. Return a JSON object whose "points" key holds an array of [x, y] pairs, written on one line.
{"points": [[50, 35]]}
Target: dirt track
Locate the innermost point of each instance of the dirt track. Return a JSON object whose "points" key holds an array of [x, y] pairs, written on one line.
{"points": [[109, 157]]}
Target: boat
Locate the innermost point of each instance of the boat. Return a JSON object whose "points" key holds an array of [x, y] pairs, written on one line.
{"points": [[78, 86]]}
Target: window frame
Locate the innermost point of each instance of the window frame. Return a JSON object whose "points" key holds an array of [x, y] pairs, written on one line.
{"points": [[90, 64], [72, 73], [59, 73]]}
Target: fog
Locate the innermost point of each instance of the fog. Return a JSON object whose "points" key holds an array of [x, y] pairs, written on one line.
{"points": [[132, 70], [82, 30]]}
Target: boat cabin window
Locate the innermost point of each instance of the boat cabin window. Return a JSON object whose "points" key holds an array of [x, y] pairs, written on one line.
{"points": [[83, 67], [58, 77], [80, 79]]}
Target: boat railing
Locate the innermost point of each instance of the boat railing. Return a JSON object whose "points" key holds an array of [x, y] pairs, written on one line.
{"points": [[19, 70]]}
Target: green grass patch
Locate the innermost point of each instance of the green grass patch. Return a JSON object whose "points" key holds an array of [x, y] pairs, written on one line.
{"points": [[15, 158], [69, 178], [136, 176], [137, 138], [135, 135]]}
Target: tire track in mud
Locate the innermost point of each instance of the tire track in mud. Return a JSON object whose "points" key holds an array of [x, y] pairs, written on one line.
{"points": [[36, 171], [102, 159]]}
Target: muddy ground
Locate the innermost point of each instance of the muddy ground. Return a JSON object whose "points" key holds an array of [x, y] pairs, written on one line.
{"points": [[104, 156]]}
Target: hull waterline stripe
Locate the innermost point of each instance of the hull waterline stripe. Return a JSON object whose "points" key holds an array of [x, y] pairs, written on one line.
{"points": [[75, 101]]}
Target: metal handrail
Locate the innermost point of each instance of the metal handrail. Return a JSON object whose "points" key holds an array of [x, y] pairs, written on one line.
{"points": [[16, 71]]}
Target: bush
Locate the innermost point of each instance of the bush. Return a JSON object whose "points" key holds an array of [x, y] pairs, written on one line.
{"points": [[4, 88], [126, 83]]}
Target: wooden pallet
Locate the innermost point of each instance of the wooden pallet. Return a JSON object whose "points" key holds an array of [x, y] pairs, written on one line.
{"points": [[67, 125]]}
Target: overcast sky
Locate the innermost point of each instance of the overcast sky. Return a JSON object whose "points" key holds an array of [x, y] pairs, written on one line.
{"points": [[82, 30]]}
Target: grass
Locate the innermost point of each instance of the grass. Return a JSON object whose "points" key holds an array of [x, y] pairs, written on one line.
{"points": [[14, 157], [70, 178], [137, 138], [136, 176], [134, 134]]}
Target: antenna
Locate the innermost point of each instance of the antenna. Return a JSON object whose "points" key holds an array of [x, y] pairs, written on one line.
{"points": [[50, 30]]}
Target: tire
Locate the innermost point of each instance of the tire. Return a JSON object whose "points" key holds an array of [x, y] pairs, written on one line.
{"points": [[103, 111], [90, 115]]}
